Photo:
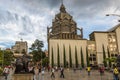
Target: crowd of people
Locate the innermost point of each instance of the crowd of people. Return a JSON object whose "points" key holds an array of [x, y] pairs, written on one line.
{"points": [[38, 71], [52, 71], [101, 70]]}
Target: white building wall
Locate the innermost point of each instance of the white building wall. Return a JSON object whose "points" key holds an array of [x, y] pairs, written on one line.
{"points": [[101, 39], [118, 38], [78, 43]]}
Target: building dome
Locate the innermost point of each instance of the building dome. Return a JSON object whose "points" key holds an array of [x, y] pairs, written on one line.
{"points": [[63, 22], [63, 25]]}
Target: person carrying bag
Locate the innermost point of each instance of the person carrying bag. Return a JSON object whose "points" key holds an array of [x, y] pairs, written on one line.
{"points": [[115, 73]]}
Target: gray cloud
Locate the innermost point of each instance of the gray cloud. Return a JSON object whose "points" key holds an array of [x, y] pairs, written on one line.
{"points": [[91, 8], [29, 18], [22, 22], [80, 9]]}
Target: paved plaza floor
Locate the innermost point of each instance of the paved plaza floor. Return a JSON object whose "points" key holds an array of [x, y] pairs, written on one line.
{"points": [[78, 75]]}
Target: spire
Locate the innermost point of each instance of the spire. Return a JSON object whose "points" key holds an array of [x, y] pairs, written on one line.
{"points": [[62, 7], [62, 1]]}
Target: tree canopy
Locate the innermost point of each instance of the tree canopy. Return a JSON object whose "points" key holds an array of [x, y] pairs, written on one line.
{"points": [[37, 45], [36, 50], [6, 57]]}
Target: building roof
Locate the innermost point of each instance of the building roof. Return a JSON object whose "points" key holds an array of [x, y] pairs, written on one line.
{"points": [[113, 28], [98, 32], [110, 30]]}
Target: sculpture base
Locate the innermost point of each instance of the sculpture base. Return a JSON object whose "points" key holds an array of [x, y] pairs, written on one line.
{"points": [[23, 76]]}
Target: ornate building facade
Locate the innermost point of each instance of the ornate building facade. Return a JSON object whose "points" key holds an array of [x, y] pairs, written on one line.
{"points": [[67, 47], [62, 36], [64, 27]]}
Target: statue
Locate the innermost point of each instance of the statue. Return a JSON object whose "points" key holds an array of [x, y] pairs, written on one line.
{"points": [[22, 64]]}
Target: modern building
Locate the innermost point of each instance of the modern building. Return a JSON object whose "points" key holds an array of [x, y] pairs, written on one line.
{"points": [[67, 45], [109, 39]]}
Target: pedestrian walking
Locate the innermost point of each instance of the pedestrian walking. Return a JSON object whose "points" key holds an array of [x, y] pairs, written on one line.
{"points": [[62, 73], [6, 72], [52, 74], [36, 73], [42, 73], [101, 70], [88, 70], [56, 68], [115, 73], [11, 72], [74, 69], [48, 68]]}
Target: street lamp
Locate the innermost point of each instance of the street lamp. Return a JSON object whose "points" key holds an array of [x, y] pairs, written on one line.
{"points": [[113, 15]]}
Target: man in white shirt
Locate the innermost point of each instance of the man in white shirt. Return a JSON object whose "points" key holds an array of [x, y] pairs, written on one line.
{"points": [[6, 72]]}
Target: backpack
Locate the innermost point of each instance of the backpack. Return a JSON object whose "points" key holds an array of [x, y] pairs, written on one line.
{"points": [[116, 71], [88, 69]]}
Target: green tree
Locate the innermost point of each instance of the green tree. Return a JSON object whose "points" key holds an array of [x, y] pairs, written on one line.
{"points": [[1, 57], [64, 56], [70, 57], [6, 56], [82, 59], [112, 60], [109, 57], [87, 57], [45, 61], [76, 57], [36, 50], [104, 56], [58, 57], [52, 58], [37, 45]]}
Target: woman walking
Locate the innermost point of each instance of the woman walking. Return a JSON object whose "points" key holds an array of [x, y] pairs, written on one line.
{"points": [[53, 75]]}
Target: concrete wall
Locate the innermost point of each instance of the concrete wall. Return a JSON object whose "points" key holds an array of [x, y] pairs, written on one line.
{"points": [[22, 77], [53, 43], [118, 38], [101, 39]]}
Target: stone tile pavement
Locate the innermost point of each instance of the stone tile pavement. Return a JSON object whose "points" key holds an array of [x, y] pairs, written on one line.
{"points": [[78, 75]]}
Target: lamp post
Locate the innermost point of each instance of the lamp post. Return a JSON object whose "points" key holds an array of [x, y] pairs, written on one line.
{"points": [[113, 15]]}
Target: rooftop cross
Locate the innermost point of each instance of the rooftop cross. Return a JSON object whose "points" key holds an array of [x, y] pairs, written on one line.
{"points": [[62, 8]]}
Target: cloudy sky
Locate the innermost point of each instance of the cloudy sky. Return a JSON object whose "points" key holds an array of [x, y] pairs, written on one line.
{"points": [[28, 19]]}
